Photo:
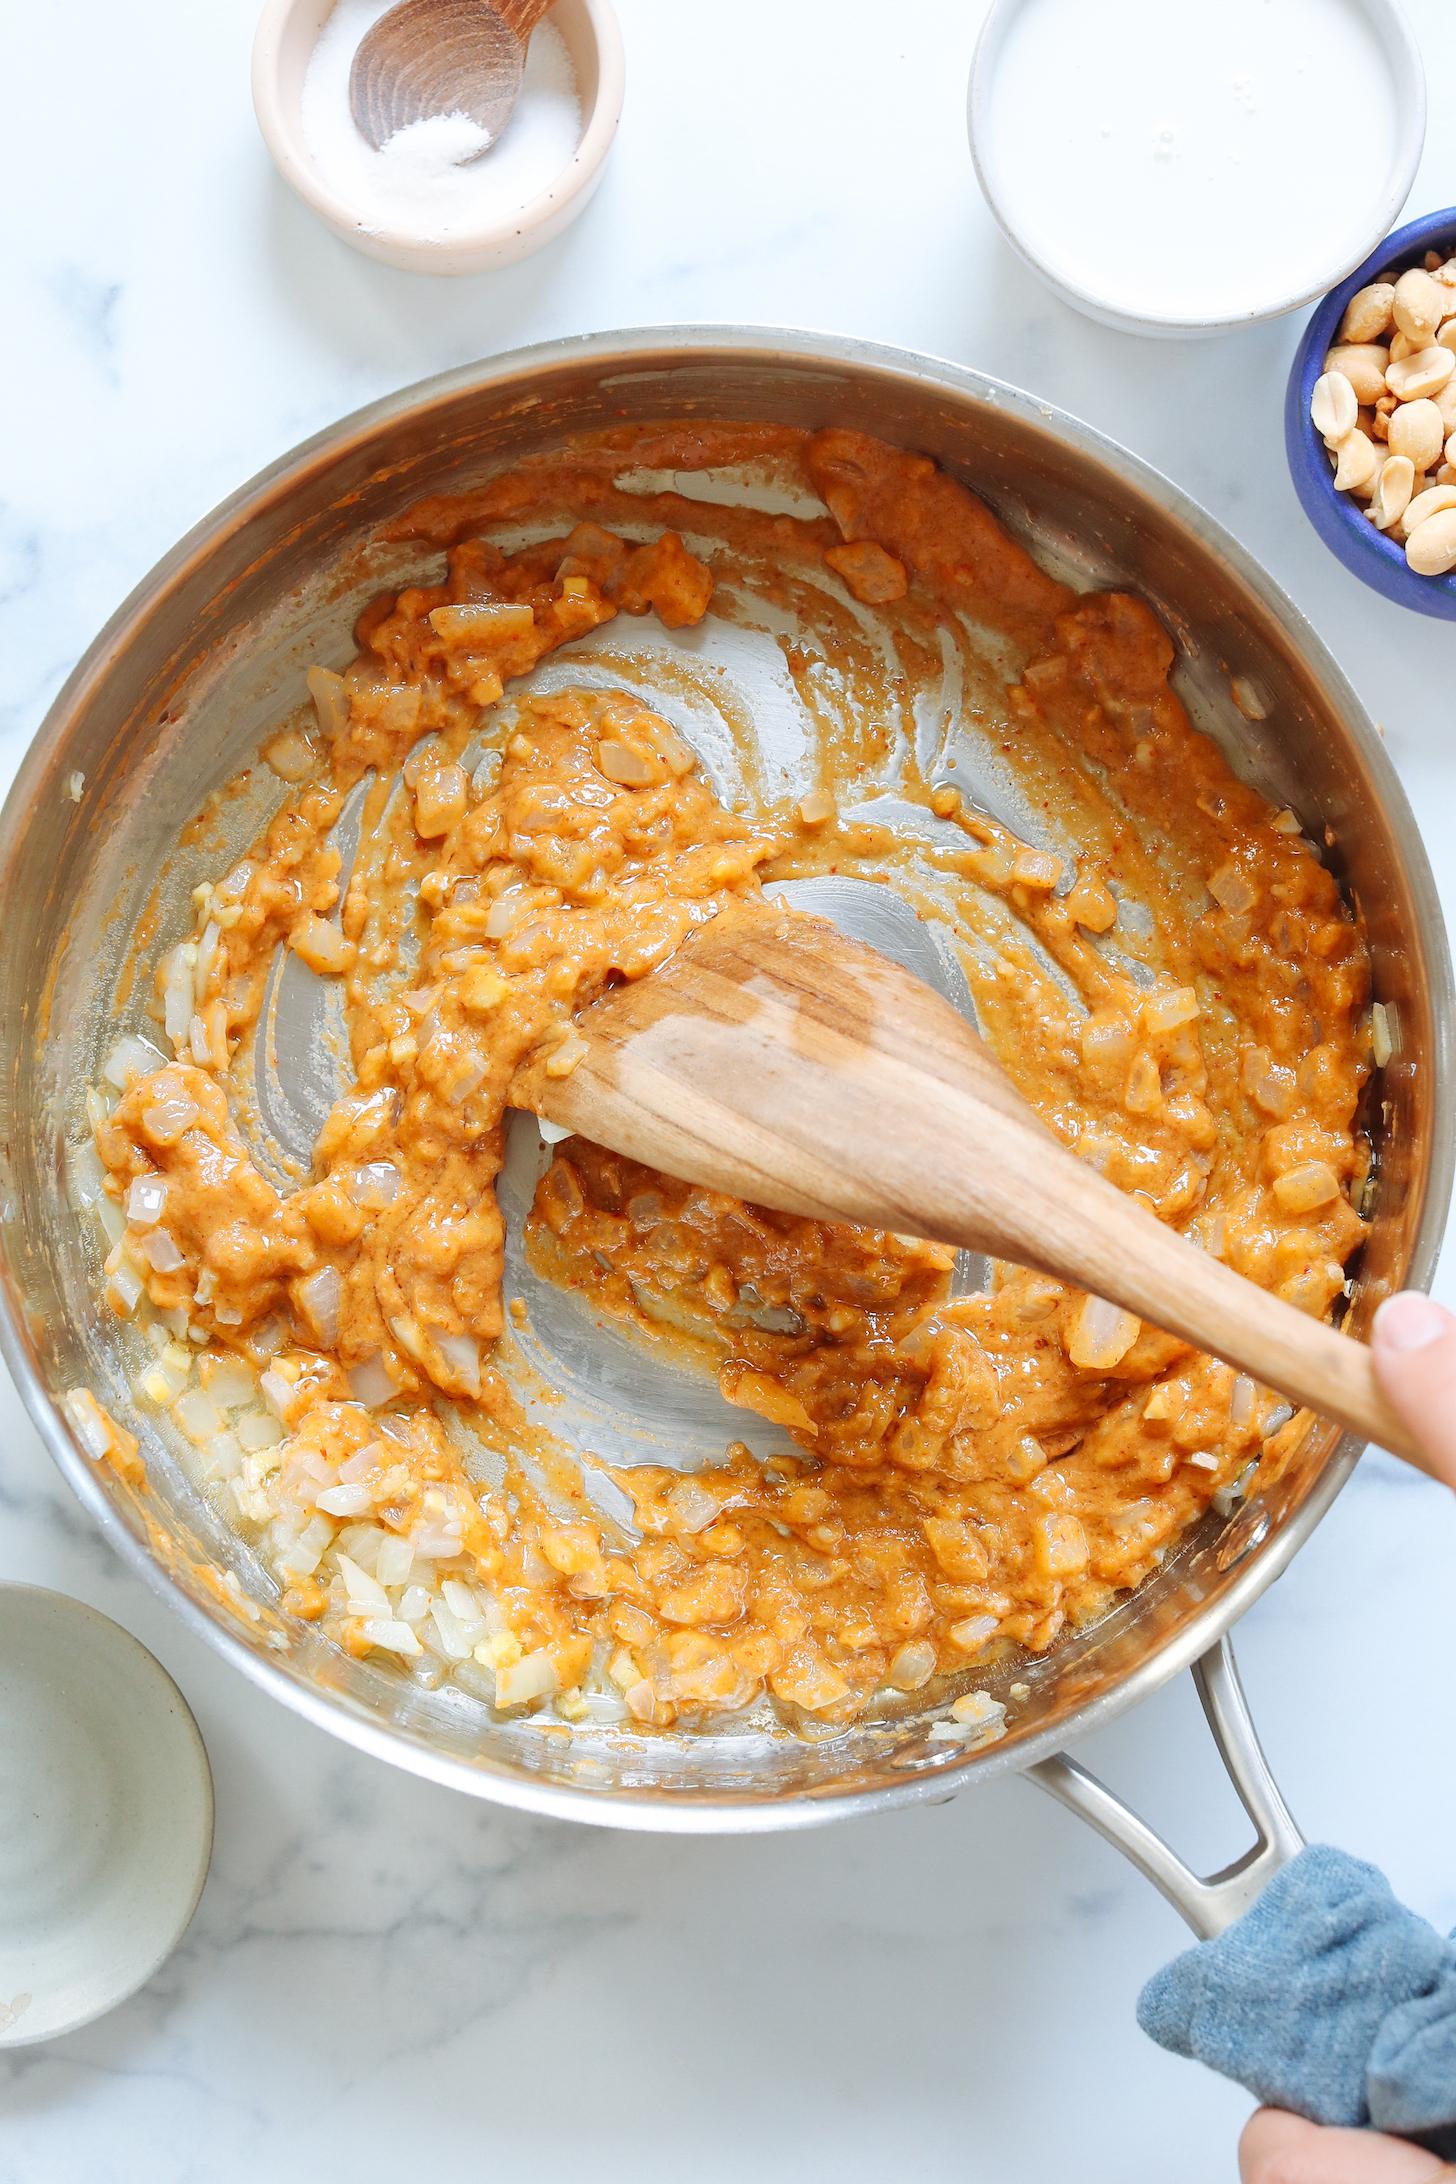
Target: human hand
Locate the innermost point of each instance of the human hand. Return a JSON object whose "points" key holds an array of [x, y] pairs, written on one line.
{"points": [[1281, 2149], [1414, 1349]]}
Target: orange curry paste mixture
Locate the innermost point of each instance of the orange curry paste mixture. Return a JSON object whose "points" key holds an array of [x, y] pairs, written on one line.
{"points": [[957, 1474]]}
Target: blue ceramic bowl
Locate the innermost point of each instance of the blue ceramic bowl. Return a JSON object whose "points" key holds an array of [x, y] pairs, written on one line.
{"points": [[1338, 517]]}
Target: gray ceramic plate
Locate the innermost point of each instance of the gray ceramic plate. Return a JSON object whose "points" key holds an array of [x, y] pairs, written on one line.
{"points": [[105, 1815]]}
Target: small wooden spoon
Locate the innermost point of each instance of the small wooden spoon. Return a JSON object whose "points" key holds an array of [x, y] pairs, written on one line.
{"points": [[442, 57], [772, 1058]]}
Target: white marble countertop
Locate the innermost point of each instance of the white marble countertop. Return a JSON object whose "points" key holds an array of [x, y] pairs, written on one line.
{"points": [[386, 1979]]}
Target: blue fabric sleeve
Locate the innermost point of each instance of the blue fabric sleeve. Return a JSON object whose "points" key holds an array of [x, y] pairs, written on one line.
{"points": [[1328, 1998]]}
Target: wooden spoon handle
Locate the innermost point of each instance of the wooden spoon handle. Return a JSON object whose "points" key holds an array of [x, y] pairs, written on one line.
{"points": [[1086, 1229], [522, 16]]}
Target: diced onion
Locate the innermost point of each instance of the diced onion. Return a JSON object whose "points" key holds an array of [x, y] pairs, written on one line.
{"points": [[470, 1080], [89, 1423], [302, 1556], [972, 1634], [224, 1457], [1382, 1046], [159, 1248], [532, 1677], [365, 1594], [913, 1665], [277, 1392], [330, 699], [483, 622], [168, 1116], [130, 1057], [230, 1382], [198, 1416], [207, 1037], [376, 1183], [369, 1383], [552, 1133], [1171, 1009], [979, 1718], [693, 1507], [453, 1642], [434, 1543], [462, 1354], [291, 755], [320, 943], [388, 1635], [1232, 889], [85, 1176], [346, 1501], [206, 959], [1100, 1334], [1225, 1499], [179, 991], [395, 1560], [503, 913], [319, 1297], [145, 1200], [620, 763]]}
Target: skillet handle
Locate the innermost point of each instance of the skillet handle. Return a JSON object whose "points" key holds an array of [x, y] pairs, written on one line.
{"points": [[1212, 1903]]}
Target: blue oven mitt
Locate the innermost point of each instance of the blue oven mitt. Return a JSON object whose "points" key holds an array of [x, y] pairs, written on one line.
{"points": [[1328, 1998]]}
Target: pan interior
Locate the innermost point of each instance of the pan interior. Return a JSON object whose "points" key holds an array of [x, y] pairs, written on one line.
{"points": [[183, 704]]}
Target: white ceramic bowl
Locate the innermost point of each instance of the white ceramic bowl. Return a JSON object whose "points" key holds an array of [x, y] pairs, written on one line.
{"points": [[287, 32], [1268, 295], [105, 1815]]}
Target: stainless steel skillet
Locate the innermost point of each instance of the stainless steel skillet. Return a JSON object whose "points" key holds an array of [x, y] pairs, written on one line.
{"points": [[209, 651]]}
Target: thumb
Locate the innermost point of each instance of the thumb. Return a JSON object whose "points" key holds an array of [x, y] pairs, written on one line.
{"points": [[1414, 1348], [1281, 2149]]}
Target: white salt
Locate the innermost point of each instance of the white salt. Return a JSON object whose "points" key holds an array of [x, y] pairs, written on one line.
{"points": [[437, 179]]}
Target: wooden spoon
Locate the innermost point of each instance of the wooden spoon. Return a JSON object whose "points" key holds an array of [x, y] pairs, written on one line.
{"points": [[772, 1058], [442, 57]]}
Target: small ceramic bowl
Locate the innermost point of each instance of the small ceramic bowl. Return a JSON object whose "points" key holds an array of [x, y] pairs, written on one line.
{"points": [[105, 1815], [1147, 312], [1339, 518], [288, 31]]}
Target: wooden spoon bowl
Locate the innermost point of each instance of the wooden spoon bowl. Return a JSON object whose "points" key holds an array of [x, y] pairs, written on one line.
{"points": [[428, 57]]}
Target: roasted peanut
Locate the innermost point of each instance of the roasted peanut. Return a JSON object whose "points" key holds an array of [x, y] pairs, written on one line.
{"points": [[1358, 461], [1367, 314], [1392, 493], [1436, 500], [1416, 430], [1419, 305], [1333, 409], [1363, 364], [1431, 548], [1421, 373]]}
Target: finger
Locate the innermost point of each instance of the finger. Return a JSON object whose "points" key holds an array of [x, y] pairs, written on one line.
{"points": [[1280, 2149], [1414, 1348]]}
